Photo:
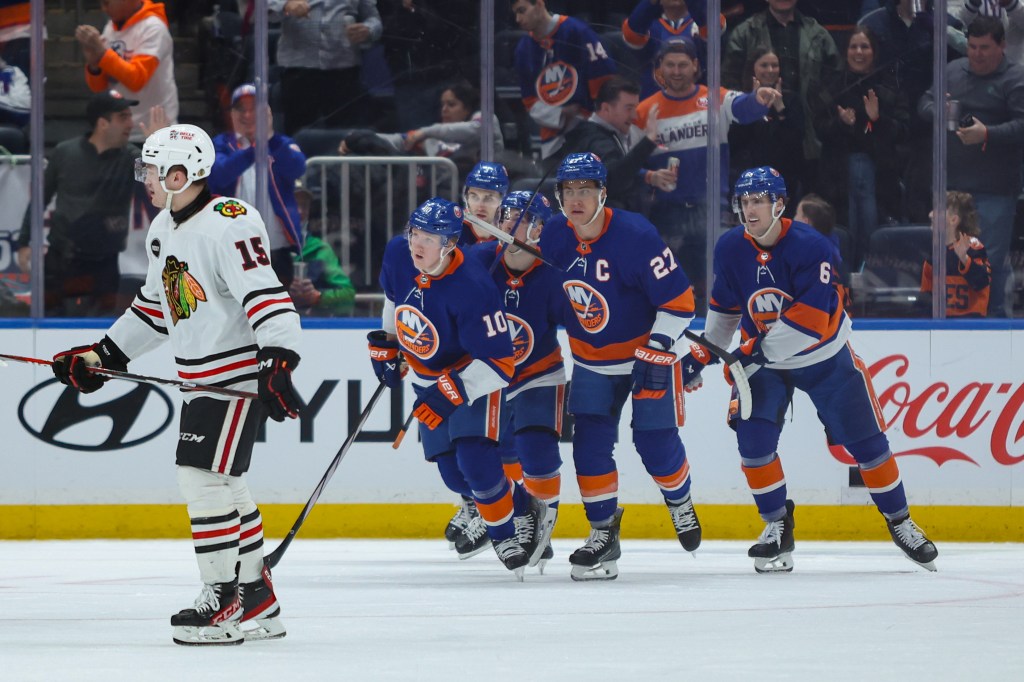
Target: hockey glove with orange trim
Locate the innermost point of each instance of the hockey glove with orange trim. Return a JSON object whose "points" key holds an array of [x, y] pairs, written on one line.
{"points": [[693, 363], [71, 367], [440, 400], [274, 375], [750, 356], [652, 369], [386, 359]]}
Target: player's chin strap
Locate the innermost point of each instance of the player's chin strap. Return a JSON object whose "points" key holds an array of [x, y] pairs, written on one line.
{"points": [[769, 236], [441, 262], [170, 193], [599, 211]]}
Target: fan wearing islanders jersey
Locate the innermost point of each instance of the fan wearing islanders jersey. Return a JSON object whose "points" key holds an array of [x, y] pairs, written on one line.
{"points": [[443, 315], [776, 278], [631, 302], [561, 65], [534, 308], [652, 23]]}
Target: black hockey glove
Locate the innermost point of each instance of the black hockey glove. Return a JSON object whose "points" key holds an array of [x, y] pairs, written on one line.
{"points": [[276, 391], [439, 400], [652, 369], [693, 363], [71, 367], [386, 359]]}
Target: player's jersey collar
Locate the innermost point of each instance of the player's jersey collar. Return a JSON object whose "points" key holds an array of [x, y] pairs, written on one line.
{"points": [[786, 222]]}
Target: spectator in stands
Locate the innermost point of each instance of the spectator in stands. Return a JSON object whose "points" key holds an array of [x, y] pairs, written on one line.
{"points": [[16, 33], [968, 273], [777, 139], [135, 56], [319, 55], [622, 147], [93, 179], [234, 174], [655, 22], [860, 117], [1009, 12], [807, 59], [680, 110], [15, 96], [903, 30], [561, 66], [985, 152], [321, 288]]}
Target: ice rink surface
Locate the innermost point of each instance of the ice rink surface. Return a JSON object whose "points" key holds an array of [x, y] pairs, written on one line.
{"points": [[409, 610]]}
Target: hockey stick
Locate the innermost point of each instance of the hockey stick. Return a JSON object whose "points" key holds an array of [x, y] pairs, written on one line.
{"points": [[402, 431], [141, 378], [271, 560], [739, 376], [506, 238], [519, 219]]}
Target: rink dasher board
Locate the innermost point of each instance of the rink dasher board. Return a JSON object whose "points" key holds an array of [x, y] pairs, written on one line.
{"points": [[952, 400]]}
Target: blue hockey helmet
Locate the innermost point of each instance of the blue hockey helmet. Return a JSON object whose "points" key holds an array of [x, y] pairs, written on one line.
{"points": [[488, 175], [582, 166], [761, 180], [539, 208], [438, 216]]}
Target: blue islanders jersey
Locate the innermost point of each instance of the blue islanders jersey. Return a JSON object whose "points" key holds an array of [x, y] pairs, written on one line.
{"points": [[789, 292], [534, 308], [617, 284], [445, 321], [566, 67], [647, 29]]}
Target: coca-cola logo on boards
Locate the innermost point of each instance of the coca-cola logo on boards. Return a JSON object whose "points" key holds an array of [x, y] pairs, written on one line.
{"points": [[941, 412]]}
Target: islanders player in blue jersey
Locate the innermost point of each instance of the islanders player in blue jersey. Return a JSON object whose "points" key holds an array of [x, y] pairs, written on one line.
{"points": [[534, 308], [630, 304], [460, 353], [776, 279], [482, 192]]}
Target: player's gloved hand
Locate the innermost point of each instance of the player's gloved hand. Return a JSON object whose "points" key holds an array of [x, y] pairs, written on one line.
{"points": [[274, 374], [439, 400], [652, 369], [71, 366], [693, 363], [386, 359], [750, 356]]}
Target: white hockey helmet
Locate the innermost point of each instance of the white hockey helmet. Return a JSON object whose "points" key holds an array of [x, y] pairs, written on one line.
{"points": [[179, 145]]}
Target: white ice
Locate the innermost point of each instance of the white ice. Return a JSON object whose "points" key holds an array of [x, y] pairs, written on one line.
{"points": [[409, 610]]}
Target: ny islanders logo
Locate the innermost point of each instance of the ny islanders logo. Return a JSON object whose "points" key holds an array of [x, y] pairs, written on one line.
{"points": [[557, 83], [416, 334], [590, 306], [183, 291], [766, 305], [522, 338]]}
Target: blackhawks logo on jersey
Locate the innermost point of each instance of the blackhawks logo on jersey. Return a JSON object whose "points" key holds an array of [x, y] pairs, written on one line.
{"points": [[230, 208], [182, 289]]}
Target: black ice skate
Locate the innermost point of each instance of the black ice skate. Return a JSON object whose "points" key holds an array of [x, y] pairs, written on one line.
{"points": [[596, 560], [533, 529], [687, 526], [467, 512], [512, 556], [260, 610], [913, 542], [773, 552], [473, 539], [214, 619]]}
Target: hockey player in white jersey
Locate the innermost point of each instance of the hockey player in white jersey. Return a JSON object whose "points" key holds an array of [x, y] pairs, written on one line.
{"points": [[211, 292]]}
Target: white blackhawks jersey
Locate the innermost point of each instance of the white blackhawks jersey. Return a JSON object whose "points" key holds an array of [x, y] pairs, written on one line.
{"points": [[211, 291]]}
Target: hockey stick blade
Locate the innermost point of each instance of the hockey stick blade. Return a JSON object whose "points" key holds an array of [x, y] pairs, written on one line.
{"points": [[271, 560], [739, 375], [143, 379], [507, 238]]}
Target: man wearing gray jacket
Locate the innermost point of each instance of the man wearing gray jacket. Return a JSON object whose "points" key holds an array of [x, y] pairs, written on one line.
{"points": [[985, 150], [319, 54]]}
